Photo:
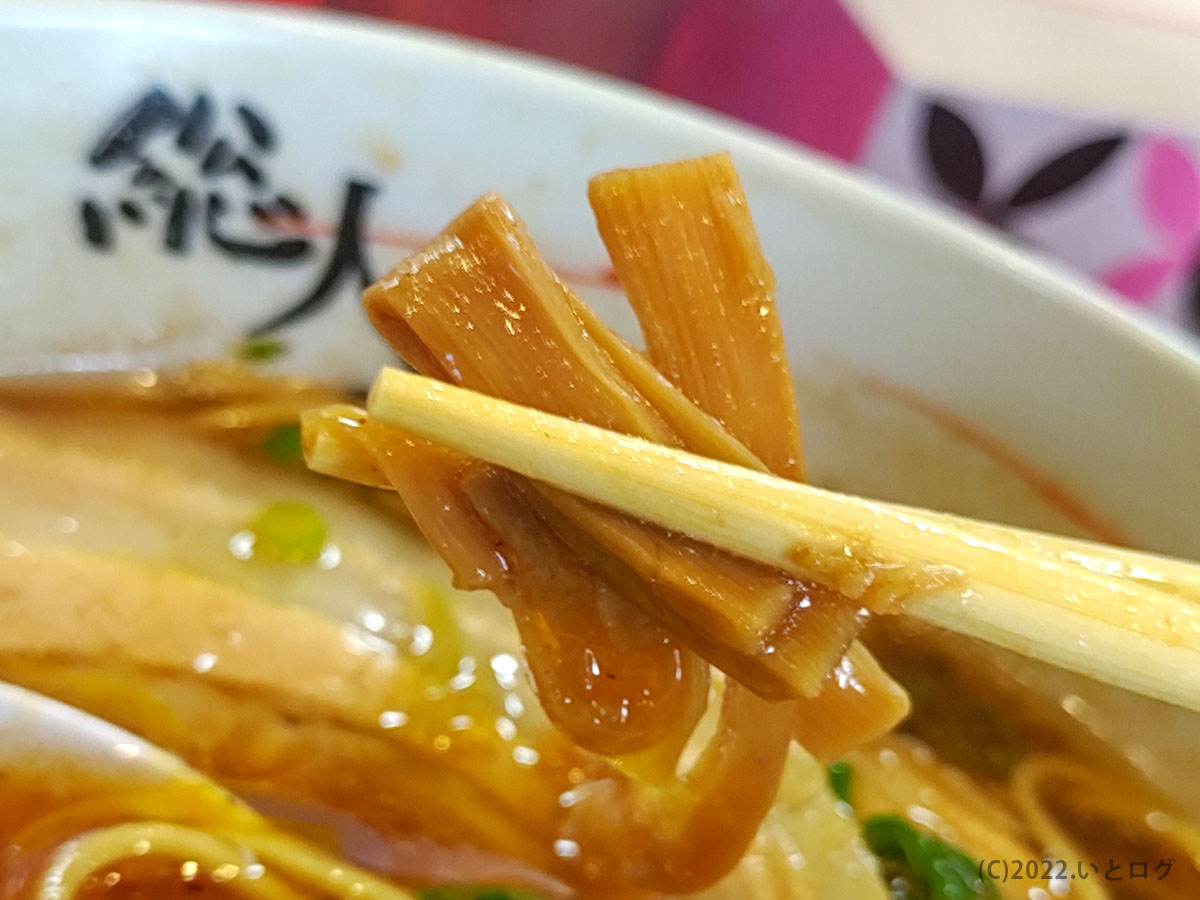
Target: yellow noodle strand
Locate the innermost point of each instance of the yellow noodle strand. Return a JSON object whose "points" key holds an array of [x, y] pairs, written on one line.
{"points": [[1104, 794], [76, 861], [304, 864]]}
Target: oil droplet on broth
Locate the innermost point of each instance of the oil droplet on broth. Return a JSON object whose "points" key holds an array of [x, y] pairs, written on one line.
{"points": [[392, 718]]}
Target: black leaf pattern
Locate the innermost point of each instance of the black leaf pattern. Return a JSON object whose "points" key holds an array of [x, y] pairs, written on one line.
{"points": [[1191, 313], [1065, 171], [955, 154]]}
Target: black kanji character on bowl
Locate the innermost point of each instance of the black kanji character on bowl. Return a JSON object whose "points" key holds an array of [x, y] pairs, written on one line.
{"points": [[177, 161], [180, 163]]}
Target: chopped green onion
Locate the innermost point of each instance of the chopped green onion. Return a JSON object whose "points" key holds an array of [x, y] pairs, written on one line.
{"points": [[922, 867], [283, 444], [841, 779], [288, 532], [261, 349]]}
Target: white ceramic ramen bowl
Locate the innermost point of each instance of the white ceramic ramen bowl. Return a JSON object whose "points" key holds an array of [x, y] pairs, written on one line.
{"points": [[144, 145], [40, 731]]}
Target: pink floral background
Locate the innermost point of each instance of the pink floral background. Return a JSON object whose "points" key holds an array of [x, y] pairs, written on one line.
{"points": [[1116, 201]]}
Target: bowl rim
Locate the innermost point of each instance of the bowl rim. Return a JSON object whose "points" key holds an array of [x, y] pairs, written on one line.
{"points": [[50, 733], [938, 226]]}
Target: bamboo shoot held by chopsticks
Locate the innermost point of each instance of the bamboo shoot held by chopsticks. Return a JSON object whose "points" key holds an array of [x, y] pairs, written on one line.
{"points": [[326, 437], [481, 308], [684, 248], [1015, 593]]}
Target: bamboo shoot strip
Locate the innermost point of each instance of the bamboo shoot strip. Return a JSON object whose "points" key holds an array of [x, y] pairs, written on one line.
{"points": [[685, 249], [1013, 592], [481, 308]]}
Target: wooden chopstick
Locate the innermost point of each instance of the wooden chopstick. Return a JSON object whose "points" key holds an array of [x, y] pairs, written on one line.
{"points": [[1122, 617]]}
